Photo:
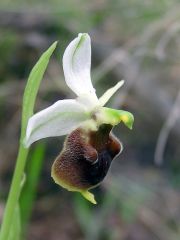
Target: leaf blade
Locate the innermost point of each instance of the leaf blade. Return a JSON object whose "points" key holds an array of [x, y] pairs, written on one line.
{"points": [[32, 86]]}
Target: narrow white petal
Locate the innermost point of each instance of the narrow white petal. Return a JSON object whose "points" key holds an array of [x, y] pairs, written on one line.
{"points": [[109, 93], [77, 65], [59, 119]]}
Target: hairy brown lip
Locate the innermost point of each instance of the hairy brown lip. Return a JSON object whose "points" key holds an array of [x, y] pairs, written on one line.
{"points": [[86, 157]]}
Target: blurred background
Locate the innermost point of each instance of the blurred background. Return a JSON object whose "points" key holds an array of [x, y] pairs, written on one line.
{"points": [[138, 41]]}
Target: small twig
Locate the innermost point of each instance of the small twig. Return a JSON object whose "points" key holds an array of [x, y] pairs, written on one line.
{"points": [[165, 130], [118, 56], [164, 40], [156, 225]]}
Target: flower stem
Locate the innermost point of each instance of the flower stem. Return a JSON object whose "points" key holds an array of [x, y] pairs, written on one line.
{"points": [[29, 98], [14, 192]]}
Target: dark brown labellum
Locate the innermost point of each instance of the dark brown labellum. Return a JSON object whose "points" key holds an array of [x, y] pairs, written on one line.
{"points": [[86, 158]]}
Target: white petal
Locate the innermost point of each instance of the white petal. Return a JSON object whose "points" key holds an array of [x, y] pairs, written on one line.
{"points": [[59, 119], [109, 93], [88, 101], [77, 65]]}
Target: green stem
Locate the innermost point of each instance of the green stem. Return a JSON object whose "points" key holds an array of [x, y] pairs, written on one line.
{"points": [[29, 98], [14, 192]]}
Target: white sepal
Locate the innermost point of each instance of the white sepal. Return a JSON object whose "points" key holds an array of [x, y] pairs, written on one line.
{"points": [[59, 119], [109, 93], [77, 65]]}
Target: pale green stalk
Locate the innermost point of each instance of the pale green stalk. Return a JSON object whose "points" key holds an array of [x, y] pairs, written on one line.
{"points": [[29, 98], [14, 192]]}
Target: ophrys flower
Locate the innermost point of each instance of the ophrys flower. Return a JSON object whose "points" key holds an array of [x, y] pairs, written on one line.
{"points": [[90, 145]]}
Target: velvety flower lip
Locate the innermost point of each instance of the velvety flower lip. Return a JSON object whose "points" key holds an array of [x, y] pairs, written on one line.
{"points": [[64, 116], [85, 159]]}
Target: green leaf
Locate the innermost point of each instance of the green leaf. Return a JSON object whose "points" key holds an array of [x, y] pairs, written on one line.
{"points": [[11, 215], [28, 194], [32, 86], [113, 116], [15, 229]]}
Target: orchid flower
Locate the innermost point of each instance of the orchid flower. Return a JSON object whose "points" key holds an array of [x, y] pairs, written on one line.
{"points": [[90, 145]]}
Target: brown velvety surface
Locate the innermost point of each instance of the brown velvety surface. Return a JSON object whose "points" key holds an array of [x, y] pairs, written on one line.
{"points": [[86, 157]]}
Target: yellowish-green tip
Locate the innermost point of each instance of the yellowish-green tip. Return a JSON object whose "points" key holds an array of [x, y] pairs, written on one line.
{"points": [[128, 119], [89, 196], [113, 117]]}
